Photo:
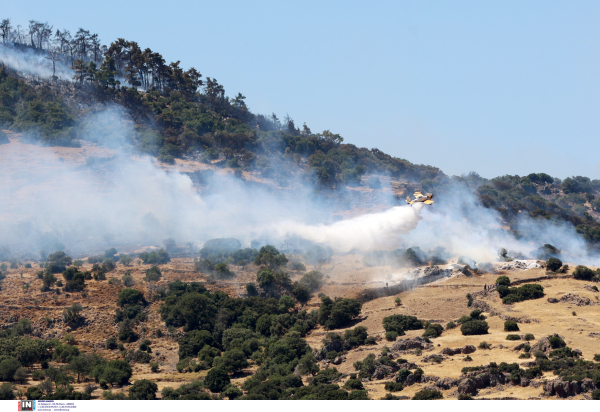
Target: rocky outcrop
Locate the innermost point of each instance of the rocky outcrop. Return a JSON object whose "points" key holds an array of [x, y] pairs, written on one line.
{"points": [[481, 305], [457, 351], [553, 300], [575, 300], [523, 319], [543, 344], [468, 349], [471, 384], [433, 358], [446, 383], [413, 343], [564, 389], [451, 352], [381, 372], [408, 366]]}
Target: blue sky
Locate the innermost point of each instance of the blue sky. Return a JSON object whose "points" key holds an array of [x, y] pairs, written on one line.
{"points": [[508, 87]]}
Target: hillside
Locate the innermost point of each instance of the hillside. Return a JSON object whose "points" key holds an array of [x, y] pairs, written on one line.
{"points": [[159, 240]]}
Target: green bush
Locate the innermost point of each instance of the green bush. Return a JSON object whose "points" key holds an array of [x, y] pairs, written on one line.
{"points": [[393, 386], [484, 345], [450, 325], [401, 323], [153, 274], [511, 326], [143, 389], [216, 380], [596, 395], [295, 265], [111, 343], [519, 294], [513, 337], [427, 394], [6, 392], [553, 264], [583, 273], [339, 313], [463, 319], [556, 342], [503, 281], [156, 257], [8, 368], [464, 397], [391, 336], [130, 297], [433, 330], [529, 337], [474, 327]]}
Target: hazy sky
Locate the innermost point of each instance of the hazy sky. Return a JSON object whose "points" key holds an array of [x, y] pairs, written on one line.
{"points": [[506, 87]]}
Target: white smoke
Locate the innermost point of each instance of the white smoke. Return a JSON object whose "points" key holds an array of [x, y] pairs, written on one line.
{"points": [[30, 62]]}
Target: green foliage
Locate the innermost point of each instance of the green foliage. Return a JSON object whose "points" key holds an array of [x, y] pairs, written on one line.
{"points": [[433, 330], [7, 392], [474, 327], [391, 336], [57, 262], [339, 313], [269, 256], [115, 372], [216, 380], [312, 280], [393, 386], [519, 294], [25, 349], [484, 345], [401, 323], [511, 326], [513, 337], [8, 368], [156, 257], [232, 361], [191, 343], [450, 325], [126, 331], [143, 389], [295, 265], [503, 281], [72, 315], [131, 296], [556, 342], [128, 280], [153, 274], [427, 394], [125, 260], [265, 277], [583, 273], [553, 264], [65, 353], [111, 343]]}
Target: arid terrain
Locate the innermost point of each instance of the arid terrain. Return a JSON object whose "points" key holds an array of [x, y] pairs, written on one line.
{"points": [[439, 302]]}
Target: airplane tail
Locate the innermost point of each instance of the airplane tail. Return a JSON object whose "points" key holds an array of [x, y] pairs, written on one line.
{"points": [[408, 200]]}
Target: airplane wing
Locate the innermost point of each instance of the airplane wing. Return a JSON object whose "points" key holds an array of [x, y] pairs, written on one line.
{"points": [[429, 202], [418, 194], [409, 201]]}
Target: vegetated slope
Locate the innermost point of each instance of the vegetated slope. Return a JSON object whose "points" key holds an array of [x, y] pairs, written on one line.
{"points": [[195, 341], [176, 113]]}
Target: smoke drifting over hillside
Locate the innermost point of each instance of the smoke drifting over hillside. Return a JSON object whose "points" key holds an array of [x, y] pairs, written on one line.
{"points": [[127, 201], [29, 62]]}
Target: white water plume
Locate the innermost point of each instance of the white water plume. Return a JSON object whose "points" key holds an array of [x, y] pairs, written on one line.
{"points": [[366, 232]]}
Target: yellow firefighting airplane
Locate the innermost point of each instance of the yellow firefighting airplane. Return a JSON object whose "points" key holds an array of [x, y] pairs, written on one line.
{"points": [[420, 198]]}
